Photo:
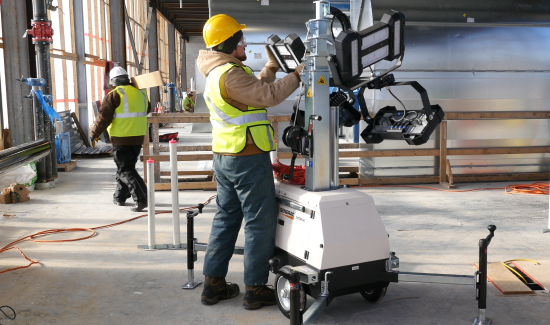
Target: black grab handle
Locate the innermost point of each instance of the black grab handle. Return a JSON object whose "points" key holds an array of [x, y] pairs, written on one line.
{"points": [[482, 274], [191, 254]]}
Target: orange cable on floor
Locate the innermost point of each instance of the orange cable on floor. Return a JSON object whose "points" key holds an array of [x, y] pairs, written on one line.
{"points": [[55, 231], [535, 188]]}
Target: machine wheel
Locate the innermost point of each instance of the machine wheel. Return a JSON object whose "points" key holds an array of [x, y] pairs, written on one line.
{"points": [[282, 294], [375, 292]]}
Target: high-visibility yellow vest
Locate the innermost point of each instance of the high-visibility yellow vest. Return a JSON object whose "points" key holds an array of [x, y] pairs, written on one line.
{"points": [[130, 117], [230, 124]]}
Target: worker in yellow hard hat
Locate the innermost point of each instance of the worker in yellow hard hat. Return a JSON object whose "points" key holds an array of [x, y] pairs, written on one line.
{"points": [[242, 138]]}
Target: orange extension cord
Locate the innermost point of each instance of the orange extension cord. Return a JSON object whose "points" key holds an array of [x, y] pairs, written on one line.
{"points": [[535, 188], [56, 231], [298, 177], [279, 169]]}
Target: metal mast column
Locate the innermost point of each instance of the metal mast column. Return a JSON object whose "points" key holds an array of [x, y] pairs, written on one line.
{"points": [[316, 75]]}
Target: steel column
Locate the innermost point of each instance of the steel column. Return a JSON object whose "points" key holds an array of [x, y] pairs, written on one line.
{"points": [[82, 93], [42, 45], [118, 34], [154, 92], [16, 64], [152, 50], [183, 67], [172, 66]]}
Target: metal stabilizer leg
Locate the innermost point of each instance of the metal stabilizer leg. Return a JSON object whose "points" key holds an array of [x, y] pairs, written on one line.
{"points": [[481, 284], [481, 319], [191, 252], [191, 284]]}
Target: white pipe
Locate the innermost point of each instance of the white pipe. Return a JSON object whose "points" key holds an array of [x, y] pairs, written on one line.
{"points": [[151, 202], [175, 191]]}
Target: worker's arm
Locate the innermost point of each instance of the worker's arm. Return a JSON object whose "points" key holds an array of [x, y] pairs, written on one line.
{"points": [[106, 113], [262, 93]]}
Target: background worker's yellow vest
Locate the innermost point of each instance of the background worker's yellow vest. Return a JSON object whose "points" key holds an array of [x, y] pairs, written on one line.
{"points": [[130, 117], [230, 124]]}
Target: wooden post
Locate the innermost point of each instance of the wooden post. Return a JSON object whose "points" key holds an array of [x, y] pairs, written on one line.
{"points": [[450, 174], [443, 154]]}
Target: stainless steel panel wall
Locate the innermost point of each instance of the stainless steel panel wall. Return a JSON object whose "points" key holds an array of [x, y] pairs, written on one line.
{"points": [[496, 63]]}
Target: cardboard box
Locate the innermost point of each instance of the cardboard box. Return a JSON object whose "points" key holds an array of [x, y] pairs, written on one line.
{"points": [[148, 80], [5, 196], [19, 193]]}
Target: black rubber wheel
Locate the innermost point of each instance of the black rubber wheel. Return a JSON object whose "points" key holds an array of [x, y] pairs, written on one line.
{"points": [[282, 294], [375, 292]]}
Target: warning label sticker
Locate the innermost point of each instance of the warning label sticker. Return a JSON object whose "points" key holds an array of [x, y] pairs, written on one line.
{"points": [[309, 93], [322, 81]]}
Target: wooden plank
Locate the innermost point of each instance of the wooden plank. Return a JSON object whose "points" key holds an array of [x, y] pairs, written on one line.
{"points": [[82, 134], [442, 152], [504, 280], [348, 145], [149, 80], [349, 181], [500, 177], [158, 158], [539, 273], [187, 148], [450, 172], [66, 56], [189, 172], [178, 117], [349, 169], [390, 153], [186, 186], [67, 167], [497, 151], [103, 32], [145, 37], [130, 34], [197, 117], [398, 180], [497, 115]]}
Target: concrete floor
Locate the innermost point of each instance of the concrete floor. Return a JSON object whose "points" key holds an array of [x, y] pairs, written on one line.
{"points": [[107, 280]]}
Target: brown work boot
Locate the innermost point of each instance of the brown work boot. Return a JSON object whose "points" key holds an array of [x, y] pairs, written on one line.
{"points": [[258, 296], [216, 289]]}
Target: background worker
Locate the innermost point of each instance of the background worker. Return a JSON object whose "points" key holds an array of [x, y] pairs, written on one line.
{"points": [[123, 113], [241, 140], [187, 103]]}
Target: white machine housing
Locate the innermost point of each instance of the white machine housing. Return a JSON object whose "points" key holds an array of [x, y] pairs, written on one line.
{"points": [[329, 229]]}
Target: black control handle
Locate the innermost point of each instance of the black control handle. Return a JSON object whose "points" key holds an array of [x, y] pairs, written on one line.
{"points": [[274, 265], [491, 229]]}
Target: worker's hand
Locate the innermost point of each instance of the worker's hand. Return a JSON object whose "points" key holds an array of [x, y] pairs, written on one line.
{"points": [[271, 61], [298, 70], [93, 141]]}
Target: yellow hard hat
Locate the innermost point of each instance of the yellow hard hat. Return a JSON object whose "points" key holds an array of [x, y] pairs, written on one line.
{"points": [[219, 28]]}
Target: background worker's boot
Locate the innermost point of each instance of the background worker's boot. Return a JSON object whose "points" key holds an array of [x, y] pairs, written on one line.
{"points": [[258, 296], [216, 289]]}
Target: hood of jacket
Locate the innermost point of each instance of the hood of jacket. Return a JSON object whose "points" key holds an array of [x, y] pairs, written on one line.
{"points": [[208, 60]]}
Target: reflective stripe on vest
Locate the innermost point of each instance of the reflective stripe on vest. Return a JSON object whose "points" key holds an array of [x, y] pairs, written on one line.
{"points": [[230, 125], [127, 113], [239, 120]]}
